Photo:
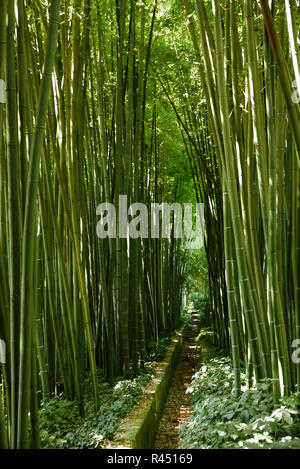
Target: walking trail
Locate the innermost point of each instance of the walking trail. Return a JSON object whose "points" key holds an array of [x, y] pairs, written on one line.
{"points": [[177, 408]]}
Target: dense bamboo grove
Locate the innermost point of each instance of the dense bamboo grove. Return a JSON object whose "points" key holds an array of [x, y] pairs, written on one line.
{"points": [[72, 136], [88, 95], [247, 58]]}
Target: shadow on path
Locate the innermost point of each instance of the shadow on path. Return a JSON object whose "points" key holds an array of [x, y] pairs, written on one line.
{"points": [[177, 408]]}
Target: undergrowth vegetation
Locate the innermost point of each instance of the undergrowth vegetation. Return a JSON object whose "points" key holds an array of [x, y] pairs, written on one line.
{"points": [[251, 420], [62, 426]]}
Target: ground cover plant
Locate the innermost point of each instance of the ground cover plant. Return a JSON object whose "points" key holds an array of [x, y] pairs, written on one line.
{"points": [[63, 426], [222, 420]]}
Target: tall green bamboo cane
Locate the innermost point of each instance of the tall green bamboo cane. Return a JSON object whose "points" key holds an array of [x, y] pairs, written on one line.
{"points": [[283, 73], [29, 238], [15, 229]]}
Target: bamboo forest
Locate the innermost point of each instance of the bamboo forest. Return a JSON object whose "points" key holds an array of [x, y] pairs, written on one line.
{"points": [[149, 224]]}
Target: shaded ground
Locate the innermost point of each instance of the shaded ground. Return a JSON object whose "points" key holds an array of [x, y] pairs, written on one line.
{"points": [[177, 407]]}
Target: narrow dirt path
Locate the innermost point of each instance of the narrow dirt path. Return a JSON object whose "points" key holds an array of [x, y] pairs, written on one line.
{"points": [[177, 406]]}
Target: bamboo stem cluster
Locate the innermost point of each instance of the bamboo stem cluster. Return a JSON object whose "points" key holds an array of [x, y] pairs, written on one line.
{"points": [[73, 134], [244, 51]]}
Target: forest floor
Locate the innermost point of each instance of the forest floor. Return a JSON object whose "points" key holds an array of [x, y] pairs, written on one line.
{"points": [[177, 408]]}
